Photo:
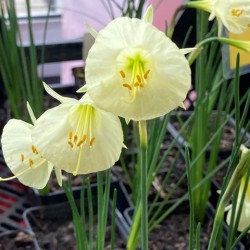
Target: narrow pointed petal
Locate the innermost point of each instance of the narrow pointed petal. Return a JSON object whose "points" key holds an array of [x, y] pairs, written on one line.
{"points": [[91, 30], [31, 113], [188, 50], [58, 97], [82, 89], [149, 14], [58, 173]]}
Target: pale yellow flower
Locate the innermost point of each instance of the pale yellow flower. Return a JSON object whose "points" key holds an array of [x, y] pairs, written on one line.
{"points": [[245, 213], [233, 14], [243, 45], [78, 137], [134, 71], [22, 157]]}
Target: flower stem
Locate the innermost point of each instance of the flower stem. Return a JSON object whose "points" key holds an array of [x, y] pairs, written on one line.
{"points": [[239, 172], [143, 184]]}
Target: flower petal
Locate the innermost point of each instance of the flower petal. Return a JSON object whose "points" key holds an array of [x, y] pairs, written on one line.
{"points": [[168, 81], [22, 157], [149, 14], [58, 97], [76, 144], [58, 173], [31, 113]]}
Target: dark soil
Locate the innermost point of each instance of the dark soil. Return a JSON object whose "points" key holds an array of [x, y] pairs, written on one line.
{"points": [[16, 241], [57, 232], [165, 183], [228, 132], [173, 232]]}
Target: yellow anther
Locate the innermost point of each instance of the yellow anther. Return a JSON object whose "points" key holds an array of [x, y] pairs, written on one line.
{"points": [[34, 150], [71, 144], [237, 12], [138, 78], [80, 143], [127, 86], [75, 138], [122, 73], [31, 162], [91, 141], [22, 157], [70, 135], [82, 140], [146, 74], [136, 84]]}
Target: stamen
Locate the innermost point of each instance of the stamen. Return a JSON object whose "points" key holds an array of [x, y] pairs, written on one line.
{"points": [[34, 150], [14, 176], [70, 135], [122, 73], [75, 138], [31, 162], [91, 141], [127, 86], [78, 162], [22, 157], [138, 78], [237, 12], [71, 144], [82, 140], [146, 74]]}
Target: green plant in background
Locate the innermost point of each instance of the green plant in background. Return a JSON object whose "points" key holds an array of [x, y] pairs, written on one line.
{"points": [[90, 232], [210, 109], [232, 178], [18, 69], [140, 78]]}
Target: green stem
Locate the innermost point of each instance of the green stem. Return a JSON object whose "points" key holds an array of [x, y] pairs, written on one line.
{"points": [[133, 236], [170, 30], [239, 172], [99, 212], [144, 193]]}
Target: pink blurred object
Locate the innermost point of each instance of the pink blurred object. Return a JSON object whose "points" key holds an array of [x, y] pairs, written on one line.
{"points": [[163, 11]]}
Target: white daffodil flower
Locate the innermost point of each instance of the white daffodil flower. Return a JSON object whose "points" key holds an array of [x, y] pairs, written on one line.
{"points": [[245, 213], [134, 71], [22, 157], [233, 14], [78, 137]]}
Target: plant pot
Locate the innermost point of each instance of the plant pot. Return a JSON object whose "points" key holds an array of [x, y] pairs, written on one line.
{"points": [[56, 193], [16, 240], [13, 201], [53, 228], [123, 202], [173, 232], [226, 142]]}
